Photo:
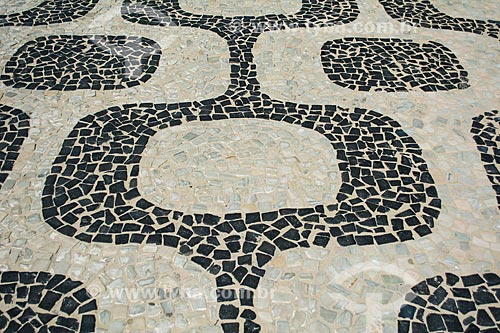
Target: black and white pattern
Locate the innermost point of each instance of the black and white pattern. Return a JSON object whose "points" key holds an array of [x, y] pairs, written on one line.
{"points": [[169, 13], [240, 32], [452, 303], [388, 64], [43, 302], [421, 13], [486, 130], [387, 193], [49, 12], [92, 190], [82, 62], [14, 126]]}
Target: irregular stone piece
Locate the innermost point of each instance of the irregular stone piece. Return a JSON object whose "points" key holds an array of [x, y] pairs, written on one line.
{"points": [[421, 13], [390, 64], [82, 62], [486, 130], [49, 12], [452, 303], [14, 126], [43, 302]]}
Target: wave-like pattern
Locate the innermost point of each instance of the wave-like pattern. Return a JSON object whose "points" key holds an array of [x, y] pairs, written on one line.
{"points": [[49, 12]]}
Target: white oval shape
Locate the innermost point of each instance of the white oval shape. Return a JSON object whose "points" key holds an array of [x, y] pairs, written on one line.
{"points": [[238, 165], [240, 7]]}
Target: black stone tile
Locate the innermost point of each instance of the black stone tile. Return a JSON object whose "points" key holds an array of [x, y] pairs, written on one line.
{"points": [[43, 311], [391, 65], [486, 130], [14, 126], [49, 12], [83, 62], [422, 13], [463, 304]]}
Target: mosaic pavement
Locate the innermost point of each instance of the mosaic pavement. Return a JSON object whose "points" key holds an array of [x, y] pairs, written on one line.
{"points": [[245, 166]]}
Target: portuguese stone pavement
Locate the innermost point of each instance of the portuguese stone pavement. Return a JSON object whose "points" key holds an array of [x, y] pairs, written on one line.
{"points": [[249, 166]]}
